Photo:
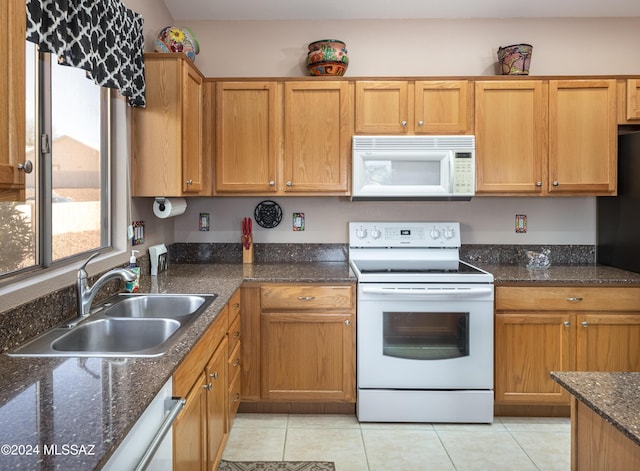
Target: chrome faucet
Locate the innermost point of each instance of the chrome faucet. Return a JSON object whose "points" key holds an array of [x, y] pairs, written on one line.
{"points": [[86, 293]]}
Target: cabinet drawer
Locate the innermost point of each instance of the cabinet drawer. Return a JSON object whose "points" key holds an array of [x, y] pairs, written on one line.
{"points": [[234, 334], [307, 297], [234, 306], [573, 298]]}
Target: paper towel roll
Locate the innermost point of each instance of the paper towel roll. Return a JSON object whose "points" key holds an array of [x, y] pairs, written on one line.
{"points": [[168, 207]]}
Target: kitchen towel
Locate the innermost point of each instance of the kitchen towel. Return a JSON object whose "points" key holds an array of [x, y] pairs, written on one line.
{"points": [[169, 207]]}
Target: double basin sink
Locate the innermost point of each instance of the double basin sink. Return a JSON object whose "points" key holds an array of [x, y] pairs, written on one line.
{"points": [[124, 325]]}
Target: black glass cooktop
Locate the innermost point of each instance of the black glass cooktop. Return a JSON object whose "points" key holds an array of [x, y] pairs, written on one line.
{"points": [[414, 266]]}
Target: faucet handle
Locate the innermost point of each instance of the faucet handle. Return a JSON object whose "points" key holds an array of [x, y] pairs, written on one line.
{"points": [[82, 272]]}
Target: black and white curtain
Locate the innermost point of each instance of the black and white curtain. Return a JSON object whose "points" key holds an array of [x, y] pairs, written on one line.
{"points": [[102, 37]]}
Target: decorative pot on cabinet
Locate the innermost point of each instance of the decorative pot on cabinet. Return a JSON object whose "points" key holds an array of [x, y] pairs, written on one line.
{"points": [[515, 59], [327, 57]]}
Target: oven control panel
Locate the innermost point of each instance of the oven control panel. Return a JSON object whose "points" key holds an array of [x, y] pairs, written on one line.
{"points": [[404, 234]]}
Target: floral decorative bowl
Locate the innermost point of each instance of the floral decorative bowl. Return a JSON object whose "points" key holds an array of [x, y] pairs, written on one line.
{"points": [[515, 59], [327, 57], [175, 39]]}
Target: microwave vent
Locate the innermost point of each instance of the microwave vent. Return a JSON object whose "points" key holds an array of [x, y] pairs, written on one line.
{"points": [[396, 143]]}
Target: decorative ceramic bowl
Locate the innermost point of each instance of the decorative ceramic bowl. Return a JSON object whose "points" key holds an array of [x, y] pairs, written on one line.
{"points": [[327, 57], [175, 39], [515, 59]]}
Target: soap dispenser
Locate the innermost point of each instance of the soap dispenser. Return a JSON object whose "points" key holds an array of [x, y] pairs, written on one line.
{"points": [[133, 286]]}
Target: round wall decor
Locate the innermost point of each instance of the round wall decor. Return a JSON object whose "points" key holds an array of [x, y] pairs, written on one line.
{"points": [[268, 214]]}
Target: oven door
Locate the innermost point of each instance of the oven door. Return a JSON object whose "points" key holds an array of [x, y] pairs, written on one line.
{"points": [[425, 336]]}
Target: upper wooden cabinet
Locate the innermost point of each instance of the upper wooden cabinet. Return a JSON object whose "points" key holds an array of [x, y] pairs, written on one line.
{"points": [[167, 156], [536, 137], [246, 137], [283, 138], [12, 100], [408, 107], [511, 136], [633, 99], [583, 137]]}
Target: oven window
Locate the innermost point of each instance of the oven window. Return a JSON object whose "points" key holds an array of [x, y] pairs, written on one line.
{"points": [[426, 335]]}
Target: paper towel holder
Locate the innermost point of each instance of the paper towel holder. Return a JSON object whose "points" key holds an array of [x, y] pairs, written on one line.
{"points": [[160, 200]]}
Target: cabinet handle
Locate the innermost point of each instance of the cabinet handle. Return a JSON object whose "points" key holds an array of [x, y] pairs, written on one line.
{"points": [[236, 334], [585, 324], [236, 306], [207, 386], [347, 322], [214, 375], [403, 123], [567, 324], [272, 183], [189, 182], [236, 362], [574, 300], [538, 183], [306, 298], [555, 183], [27, 166], [420, 123], [289, 183], [237, 398]]}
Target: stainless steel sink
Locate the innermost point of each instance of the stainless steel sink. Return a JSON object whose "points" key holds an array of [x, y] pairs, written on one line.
{"points": [[155, 305], [117, 336], [125, 325]]}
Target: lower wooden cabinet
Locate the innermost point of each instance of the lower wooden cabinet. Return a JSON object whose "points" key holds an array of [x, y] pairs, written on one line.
{"points": [[205, 378], [544, 329], [300, 343]]}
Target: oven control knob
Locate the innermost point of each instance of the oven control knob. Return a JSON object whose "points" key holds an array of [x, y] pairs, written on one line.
{"points": [[448, 233], [361, 233], [435, 233], [375, 233]]}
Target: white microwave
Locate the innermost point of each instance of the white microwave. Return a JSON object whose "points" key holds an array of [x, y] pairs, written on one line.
{"points": [[413, 167]]}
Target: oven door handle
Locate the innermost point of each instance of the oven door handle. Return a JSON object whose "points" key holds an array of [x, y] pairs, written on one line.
{"points": [[429, 291]]}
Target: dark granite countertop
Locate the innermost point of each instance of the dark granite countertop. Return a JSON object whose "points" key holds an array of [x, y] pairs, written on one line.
{"points": [[613, 396], [596, 275], [94, 402]]}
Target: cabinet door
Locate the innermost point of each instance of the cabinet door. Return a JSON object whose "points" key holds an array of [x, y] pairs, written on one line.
{"points": [[511, 136], [246, 137], [527, 348], [382, 107], [192, 109], [12, 100], [189, 431], [583, 138], [317, 137], [308, 356], [216, 417], [608, 342], [443, 107], [633, 99]]}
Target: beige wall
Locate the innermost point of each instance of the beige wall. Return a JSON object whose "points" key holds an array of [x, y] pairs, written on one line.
{"points": [[401, 48]]}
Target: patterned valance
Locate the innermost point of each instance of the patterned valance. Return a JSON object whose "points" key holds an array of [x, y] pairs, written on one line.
{"points": [[102, 37]]}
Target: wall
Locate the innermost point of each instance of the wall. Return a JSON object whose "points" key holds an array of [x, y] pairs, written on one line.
{"points": [[407, 48]]}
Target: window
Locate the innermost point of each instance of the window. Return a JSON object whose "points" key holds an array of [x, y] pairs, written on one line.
{"points": [[65, 209]]}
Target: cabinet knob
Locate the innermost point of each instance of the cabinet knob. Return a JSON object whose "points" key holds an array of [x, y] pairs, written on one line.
{"points": [[585, 324], [403, 123], [420, 123], [27, 166], [236, 362], [347, 322], [214, 375], [189, 182], [555, 183], [272, 183], [289, 183], [538, 183], [567, 324], [208, 386], [236, 335]]}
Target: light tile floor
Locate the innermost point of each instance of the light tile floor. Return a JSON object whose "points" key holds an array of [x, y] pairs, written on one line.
{"points": [[510, 443]]}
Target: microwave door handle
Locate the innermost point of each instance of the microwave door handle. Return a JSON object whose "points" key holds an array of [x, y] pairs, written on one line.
{"points": [[429, 291]]}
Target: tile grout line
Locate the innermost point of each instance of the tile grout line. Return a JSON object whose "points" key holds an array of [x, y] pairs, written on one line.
{"points": [[364, 447]]}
